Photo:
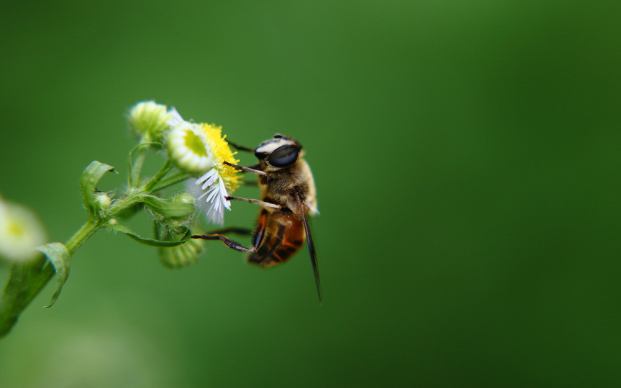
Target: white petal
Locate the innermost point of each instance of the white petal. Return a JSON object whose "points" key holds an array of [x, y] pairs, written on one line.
{"points": [[224, 194], [213, 192], [205, 177], [175, 119]]}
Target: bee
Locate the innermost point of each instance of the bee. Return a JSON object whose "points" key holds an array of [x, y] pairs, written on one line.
{"points": [[288, 195]]}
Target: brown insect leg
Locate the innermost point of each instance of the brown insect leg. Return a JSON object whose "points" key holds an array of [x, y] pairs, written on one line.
{"points": [[229, 243], [246, 169], [238, 147], [256, 202], [233, 229]]}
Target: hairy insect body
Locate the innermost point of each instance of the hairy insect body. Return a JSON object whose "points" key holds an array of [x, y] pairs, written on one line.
{"points": [[287, 195], [280, 187]]}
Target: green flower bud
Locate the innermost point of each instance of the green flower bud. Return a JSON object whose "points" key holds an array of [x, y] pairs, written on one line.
{"points": [[179, 256], [182, 255], [102, 201], [149, 119]]}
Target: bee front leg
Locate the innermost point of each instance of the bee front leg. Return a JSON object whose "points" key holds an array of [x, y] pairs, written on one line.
{"points": [[238, 147], [246, 169]]}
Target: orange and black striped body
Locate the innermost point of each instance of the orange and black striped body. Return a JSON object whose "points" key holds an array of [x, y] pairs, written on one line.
{"points": [[279, 236]]}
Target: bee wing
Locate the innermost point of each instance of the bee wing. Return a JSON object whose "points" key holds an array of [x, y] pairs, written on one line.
{"points": [[311, 246]]}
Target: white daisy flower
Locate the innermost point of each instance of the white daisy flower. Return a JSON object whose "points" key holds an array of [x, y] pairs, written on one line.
{"points": [[200, 149], [187, 147], [20, 232]]}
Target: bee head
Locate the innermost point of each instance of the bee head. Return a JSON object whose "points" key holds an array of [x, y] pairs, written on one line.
{"points": [[280, 151]]}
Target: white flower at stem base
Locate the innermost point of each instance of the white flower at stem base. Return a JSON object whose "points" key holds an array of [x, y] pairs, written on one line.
{"points": [[20, 232]]}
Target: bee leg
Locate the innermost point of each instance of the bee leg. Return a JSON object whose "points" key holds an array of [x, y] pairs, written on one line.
{"points": [[250, 183], [233, 229], [256, 241], [240, 148], [256, 202], [246, 169], [229, 243]]}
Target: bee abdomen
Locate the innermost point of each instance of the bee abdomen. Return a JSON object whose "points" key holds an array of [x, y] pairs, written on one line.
{"points": [[285, 236]]}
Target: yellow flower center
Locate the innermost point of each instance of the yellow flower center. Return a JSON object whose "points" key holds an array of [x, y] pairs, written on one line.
{"points": [[222, 152], [15, 229]]}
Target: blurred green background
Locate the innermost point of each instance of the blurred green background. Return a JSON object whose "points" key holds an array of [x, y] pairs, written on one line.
{"points": [[468, 169]]}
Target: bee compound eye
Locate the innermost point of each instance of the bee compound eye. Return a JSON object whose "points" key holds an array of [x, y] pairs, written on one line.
{"points": [[284, 156]]}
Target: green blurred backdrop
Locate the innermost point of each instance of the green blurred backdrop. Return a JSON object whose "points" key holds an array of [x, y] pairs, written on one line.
{"points": [[467, 162]]}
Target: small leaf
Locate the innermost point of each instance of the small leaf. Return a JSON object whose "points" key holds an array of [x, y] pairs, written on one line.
{"points": [[149, 241], [88, 183], [26, 280], [59, 256]]}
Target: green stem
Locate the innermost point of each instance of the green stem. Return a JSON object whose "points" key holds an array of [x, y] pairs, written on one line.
{"points": [[86, 231], [158, 177], [180, 176], [136, 167], [27, 279]]}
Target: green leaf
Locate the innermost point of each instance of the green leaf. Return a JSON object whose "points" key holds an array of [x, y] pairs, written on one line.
{"points": [[26, 280], [149, 241], [88, 183], [59, 256]]}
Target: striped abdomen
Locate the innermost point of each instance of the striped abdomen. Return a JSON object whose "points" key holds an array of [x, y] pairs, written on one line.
{"points": [[282, 235]]}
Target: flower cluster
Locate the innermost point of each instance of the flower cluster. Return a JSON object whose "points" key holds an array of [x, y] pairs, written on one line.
{"points": [[199, 149]]}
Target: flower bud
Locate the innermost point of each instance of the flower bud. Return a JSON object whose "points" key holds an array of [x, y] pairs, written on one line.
{"points": [[182, 255], [102, 201], [149, 119]]}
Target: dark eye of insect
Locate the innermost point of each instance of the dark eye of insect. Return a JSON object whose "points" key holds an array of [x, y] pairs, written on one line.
{"points": [[260, 155], [283, 156]]}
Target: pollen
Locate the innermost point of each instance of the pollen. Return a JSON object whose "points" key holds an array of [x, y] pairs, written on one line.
{"points": [[222, 152]]}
